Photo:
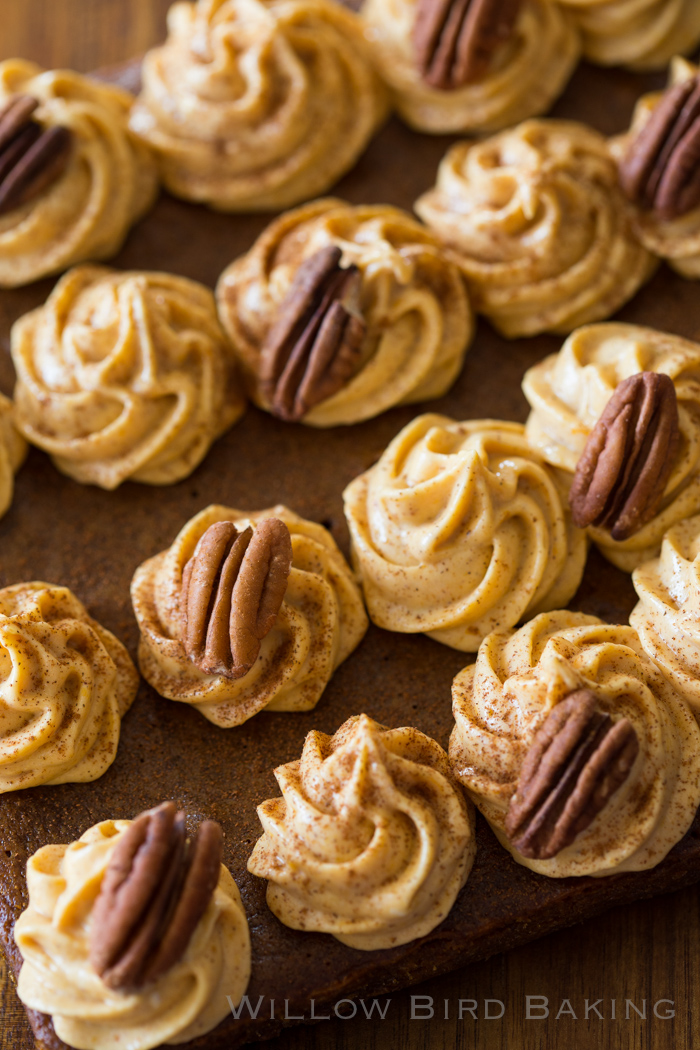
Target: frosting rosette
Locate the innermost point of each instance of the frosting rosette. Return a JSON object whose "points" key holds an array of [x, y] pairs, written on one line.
{"points": [[372, 839], [667, 615], [109, 182], [320, 622], [520, 678], [568, 392], [13, 449], [255, 105], [677, 239], [124, 375], [640, 34], [535, 219], [65, 684], [527, 72], [413, 302], [56, 978], [460, 528]]}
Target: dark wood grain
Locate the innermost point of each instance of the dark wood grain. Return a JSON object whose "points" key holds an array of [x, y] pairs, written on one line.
{"points": [[646, 951]]}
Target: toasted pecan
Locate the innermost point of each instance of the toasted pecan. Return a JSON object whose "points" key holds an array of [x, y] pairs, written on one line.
{"points": [[156, 888], [31, 157], [313, 348], [232, 590], [577, 761], [661, 167], [455, 40], [625, 466]]}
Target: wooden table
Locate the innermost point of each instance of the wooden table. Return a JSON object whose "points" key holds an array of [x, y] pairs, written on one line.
{"points": [[646, 953]]}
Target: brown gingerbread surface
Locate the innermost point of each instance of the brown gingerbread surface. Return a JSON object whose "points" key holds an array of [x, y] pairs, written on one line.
{"points": [[92, 541]]}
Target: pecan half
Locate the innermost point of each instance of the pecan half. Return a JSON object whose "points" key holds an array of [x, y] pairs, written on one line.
{"points": [[661, 169], [232, 590], [577, 761], [31, 157], [155, 890], [623, 470], [455, 40], [314, 345]]}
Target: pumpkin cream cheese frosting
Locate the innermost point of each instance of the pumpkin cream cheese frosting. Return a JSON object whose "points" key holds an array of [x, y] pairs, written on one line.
{"points": [[245, 611], [134, 935], [618, 410], [579, 753], [461, 528], [73, 178], [338, 313], [372, 839], [640, 34], [65, 684], [124, 375], [255, 105], [453, 68], [667, 615], [657, 161], [13, 449], [537, 222]]}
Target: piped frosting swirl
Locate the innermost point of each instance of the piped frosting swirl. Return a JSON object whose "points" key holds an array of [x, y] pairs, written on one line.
{"points": [[677, 239], [372, 839], [460, 528], [65, 683], [124, 375], [527, 72], [640, 34], [667, 615], [320, 622], [519, 677], [536, 220], [256, 106], [568, 392], [53, 935], [110, 180], [413, 302]]}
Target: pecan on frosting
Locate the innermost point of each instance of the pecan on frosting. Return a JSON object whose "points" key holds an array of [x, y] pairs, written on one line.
{"points": [[471, 66], [455, 40], [661, 168], [372, 839], [82, 183], [568, 393], [319, 623], [156, 888], [314, 345], [31, 157], [623, 471], [69, 890], [501, 704], [404, 341], [577, 761], [232, 590]]}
